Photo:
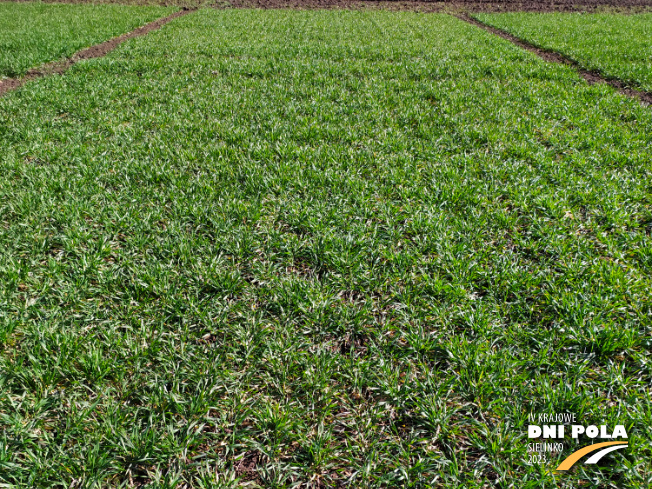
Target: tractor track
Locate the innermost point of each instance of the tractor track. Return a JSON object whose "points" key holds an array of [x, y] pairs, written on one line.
{"points": [[592, 77], [95, 51]]}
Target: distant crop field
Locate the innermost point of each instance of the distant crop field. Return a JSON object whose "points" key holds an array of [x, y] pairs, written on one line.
{"points": [[321, 249], [617, 46], [34, 33]]}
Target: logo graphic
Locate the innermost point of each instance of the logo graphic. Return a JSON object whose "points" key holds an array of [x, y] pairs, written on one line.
{"points": [[548, 439], [602, 448]]}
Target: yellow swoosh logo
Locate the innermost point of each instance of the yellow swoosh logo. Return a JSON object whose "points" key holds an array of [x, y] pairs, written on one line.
{"points": [[575, 456]]}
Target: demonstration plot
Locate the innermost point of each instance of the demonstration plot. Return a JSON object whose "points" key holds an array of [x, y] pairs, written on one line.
{"points": [[35, 33], [616, 46], [346, 247]]}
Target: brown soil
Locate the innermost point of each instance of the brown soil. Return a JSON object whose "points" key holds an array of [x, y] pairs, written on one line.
{"points": [[415, 5], [454, 5], [96, 51], [247, 466], [592, 77]]}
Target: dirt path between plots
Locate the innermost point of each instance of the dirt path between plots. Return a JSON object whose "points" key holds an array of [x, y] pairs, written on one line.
{"points": [[592, 77], [96, 51]]}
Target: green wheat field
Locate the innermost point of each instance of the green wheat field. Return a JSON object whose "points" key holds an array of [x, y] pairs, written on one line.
{"points": [[313, 249]]}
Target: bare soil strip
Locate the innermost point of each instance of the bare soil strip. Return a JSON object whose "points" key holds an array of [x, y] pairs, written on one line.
{"points": [[626, 6], [96, 51], [590, 76], [621, 6]]}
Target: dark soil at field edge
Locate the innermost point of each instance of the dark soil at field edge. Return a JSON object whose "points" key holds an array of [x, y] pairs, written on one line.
{"points": [[626, 6], [454, 5]]}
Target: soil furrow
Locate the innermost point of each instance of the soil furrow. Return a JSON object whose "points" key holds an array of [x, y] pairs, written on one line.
{"points": [[96, 51], [590, 76]]}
